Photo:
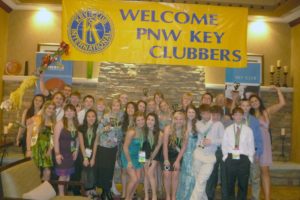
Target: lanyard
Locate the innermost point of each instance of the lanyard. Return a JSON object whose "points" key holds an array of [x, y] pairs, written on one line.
{"points": [[205, 133], [151, 138], [140, 137], [247, 120], [89, 136], [237, 132]]}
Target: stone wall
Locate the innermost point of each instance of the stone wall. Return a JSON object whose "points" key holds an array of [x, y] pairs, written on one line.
{"points": [[172, 81], [115, 79]]}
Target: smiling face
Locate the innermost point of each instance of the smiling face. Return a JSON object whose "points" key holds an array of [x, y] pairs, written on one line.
{"points": [[116, 106], [150, 122], [88, 103], [100, 106], [245, 105], [91, 118], [206, 99], [254, 102], [69, 113], [179, 120], [58, 100], [130, 109], [238, 117], [164, 107], [191, 114], [151, 106], [38, 102], [141, 107], [50, 110], [140, 121], [67, 90], [124, 99]]}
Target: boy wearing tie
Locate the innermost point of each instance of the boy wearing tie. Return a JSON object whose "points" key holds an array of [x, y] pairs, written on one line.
{"points": [[238, 152]]}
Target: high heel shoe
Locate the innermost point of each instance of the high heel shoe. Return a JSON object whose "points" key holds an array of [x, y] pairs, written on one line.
{"points": [[103, 195], [109, 196]]}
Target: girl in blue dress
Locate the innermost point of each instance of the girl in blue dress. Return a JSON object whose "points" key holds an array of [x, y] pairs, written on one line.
{"points": [[187, 180], [128, 122], [131, 156]]}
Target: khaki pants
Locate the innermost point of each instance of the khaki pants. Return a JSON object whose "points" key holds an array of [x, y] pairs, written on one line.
{"points": [[202, 165]]}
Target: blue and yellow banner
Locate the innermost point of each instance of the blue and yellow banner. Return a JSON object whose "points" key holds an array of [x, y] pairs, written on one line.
{"points": [[155, 33]]}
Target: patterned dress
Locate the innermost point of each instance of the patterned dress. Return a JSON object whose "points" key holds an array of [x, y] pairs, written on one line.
{"points": [[40, 149], [187, 178]]}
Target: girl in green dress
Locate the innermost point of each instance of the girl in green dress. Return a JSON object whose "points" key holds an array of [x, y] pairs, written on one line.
{"points": [[40, 139]]}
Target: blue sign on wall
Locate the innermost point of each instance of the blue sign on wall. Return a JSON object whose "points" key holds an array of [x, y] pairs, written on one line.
{"points": [[250, 75], [56, 75]]}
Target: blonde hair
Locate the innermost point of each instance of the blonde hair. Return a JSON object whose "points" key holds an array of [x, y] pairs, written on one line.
{"points": [[173, 136]]}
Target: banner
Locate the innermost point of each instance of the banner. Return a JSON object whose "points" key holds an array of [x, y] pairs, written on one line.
{"points": [[56, 76], [155, 33]]}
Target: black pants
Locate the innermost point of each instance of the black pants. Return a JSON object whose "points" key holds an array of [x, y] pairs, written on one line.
{"points": [[104, 167], [212, 182], [77, 174], [237, 170]]}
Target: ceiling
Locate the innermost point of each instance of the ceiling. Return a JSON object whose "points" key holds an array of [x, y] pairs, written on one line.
{"points": [[289, 9]]}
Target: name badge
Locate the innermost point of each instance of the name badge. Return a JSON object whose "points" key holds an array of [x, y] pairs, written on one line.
{"points": [[88, 152], [142, 156], [236, 154], [33, 140]]}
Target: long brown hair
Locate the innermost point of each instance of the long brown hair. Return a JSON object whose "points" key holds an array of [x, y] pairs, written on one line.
{"points": [[43, 115], [75, 120]]}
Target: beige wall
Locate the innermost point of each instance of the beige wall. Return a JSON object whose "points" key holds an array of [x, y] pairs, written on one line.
{"points": [[273, 43], [296, 103], [3, 49], [3, 40], [24, 35]]}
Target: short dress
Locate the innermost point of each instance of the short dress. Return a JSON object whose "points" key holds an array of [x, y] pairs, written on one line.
{"points": [[134, 149], [66, 144], [39, 150], [266, 157], [173, 151]]}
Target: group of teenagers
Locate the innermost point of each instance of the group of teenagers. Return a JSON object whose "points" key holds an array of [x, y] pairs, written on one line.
{"points": [[186, 148]]}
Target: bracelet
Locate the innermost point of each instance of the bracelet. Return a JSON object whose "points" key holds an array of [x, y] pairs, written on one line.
{"points": [[57, 154], [85, 158], [166, 162]]}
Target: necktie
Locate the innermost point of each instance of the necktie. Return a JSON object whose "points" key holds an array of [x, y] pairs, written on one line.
{"points": [[237, 137]]}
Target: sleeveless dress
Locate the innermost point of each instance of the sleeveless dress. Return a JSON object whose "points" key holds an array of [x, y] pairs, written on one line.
{"points": [[266, 157], [187, 178], [134, 149], [173, 151], [39, 150], [66, 141]]}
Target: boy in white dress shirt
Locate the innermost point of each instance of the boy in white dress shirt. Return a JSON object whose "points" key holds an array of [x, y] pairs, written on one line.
{"points": [[238, 152], [210, 132]]}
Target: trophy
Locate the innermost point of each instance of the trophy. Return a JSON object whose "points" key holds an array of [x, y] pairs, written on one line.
{"points": [[236, 86], [145, 92], [175, 106]]}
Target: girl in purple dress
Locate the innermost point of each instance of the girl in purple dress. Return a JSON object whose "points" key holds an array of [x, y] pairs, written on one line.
{"points": [[263, 115], [66, 145]]}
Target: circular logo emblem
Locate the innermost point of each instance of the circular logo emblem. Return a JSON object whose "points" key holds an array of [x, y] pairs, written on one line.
{"points": [[90, 31]]}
